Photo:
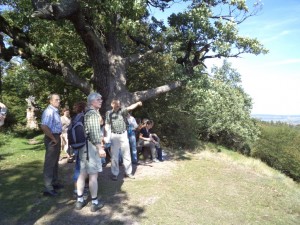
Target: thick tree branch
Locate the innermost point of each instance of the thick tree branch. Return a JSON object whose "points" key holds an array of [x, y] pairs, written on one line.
{"points": [[96, 51], [70, 10], [64, 69], [161, 4], [147, 94], [139, 41], [136, 57], [6, 53], [23, 48], [46, 10], [185, 59]]}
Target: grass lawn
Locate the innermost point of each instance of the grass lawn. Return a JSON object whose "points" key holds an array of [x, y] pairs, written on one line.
{"points": [[199, 188]]}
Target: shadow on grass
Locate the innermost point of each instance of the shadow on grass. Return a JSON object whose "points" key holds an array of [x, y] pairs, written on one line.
{"points": [[181, 153], [22, 200], [19, 190], [3, 156], [36, 147]]}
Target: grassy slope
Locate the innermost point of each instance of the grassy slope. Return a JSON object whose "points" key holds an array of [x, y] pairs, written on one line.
{"points": [[203, 188], [213, 189]]}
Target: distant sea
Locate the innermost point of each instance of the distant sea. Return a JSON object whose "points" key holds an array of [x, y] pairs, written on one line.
{"points": [[290, 119]]}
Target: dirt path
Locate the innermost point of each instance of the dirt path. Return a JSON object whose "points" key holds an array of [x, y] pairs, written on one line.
{"points": [[117, 204]]}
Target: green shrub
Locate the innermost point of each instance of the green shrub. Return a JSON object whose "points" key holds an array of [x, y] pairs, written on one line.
{"points": [[278, 146], [22, 131]]}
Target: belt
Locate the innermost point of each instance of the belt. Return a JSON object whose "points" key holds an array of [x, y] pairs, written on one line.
{"points": [[119, 132], [56, 133]]}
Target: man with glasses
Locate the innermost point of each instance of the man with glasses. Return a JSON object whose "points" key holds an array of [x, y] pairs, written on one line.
{"points": [[90, 155], [52, 127]]}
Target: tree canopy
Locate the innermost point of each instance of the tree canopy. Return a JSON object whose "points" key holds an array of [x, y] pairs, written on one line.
{"points": [[120, 50], [93, 44]]}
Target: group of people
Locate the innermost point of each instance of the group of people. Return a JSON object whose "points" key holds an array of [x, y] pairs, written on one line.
{"points": [[118, 132]]}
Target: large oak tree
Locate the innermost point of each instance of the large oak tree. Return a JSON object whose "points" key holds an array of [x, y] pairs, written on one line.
{"points": [[92, 44]]}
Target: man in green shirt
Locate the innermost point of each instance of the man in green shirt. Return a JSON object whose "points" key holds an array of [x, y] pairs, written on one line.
{"points": [[115, 122]]}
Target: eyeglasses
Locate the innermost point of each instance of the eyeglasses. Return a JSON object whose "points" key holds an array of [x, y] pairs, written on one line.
{"points": [[99, 99]]}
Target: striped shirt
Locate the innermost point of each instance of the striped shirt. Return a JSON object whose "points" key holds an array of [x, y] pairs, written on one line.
{"points": [[92, 126], [51, 119]]}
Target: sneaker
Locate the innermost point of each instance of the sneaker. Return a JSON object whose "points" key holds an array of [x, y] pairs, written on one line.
{"points": [[155, 160], [80, 205], [96, 207], [114, 178], [130, 176]]}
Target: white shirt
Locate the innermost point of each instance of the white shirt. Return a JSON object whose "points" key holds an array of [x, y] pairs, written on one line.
{"points": [[131, 120]]}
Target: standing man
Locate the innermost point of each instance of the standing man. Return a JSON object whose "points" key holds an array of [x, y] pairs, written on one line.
{"points": [[52, 127], [115, 122], [90, 161]]}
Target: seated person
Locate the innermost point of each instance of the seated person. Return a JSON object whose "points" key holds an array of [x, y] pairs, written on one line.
{"points": [[145, 140]]}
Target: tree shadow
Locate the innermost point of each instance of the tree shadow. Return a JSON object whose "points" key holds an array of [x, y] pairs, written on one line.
{"points": [[3, 156], [22, 200], [19, 190]]}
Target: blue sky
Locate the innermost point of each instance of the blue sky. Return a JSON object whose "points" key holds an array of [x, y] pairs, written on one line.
{"points": [[272, 80]]}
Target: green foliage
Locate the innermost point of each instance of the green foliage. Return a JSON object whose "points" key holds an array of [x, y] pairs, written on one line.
{"points": [[202, 24], [278, 146], [21, 131], [222, 109], [20, 82], [173, 125]]}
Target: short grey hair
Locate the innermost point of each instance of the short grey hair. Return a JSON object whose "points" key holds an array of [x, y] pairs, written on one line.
{"points": [[92, 97]]}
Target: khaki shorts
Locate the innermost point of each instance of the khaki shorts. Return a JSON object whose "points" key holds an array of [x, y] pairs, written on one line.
{"points": [[93, 165]]}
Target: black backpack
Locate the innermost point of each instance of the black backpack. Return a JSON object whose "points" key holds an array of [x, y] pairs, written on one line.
{"points": [[76, 133]]}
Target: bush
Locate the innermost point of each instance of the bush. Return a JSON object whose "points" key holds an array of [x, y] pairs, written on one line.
{"points": [[278, 146], [22, 131]]}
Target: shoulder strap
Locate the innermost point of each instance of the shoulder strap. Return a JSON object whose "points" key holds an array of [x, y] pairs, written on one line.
{"points": [[110, 116], [126, 121]]}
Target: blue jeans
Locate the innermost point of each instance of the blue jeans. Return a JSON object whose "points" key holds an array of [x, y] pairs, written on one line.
{"points": [[132, 143]]}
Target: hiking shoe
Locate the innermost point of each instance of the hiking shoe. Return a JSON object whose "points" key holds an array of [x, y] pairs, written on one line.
{"points": [[114, 178], [130, 176], [96, 207], [80, 205]]}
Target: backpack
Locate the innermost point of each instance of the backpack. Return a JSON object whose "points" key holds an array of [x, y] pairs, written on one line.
{"points": [[76, 133]]}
